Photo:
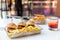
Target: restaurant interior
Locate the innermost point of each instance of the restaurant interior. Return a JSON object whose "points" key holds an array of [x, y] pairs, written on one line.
{"points": [[30, 19], [28, 7]]}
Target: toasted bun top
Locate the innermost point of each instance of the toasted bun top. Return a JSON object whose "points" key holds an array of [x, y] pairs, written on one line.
{"points": [[30, 22], [22, 23], [11, 25]]}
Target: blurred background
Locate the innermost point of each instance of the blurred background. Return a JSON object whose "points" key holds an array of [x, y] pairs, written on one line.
{"points": [[27, 7]]}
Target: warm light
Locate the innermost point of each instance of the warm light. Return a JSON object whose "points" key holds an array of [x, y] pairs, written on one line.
{"points": [[13, 12]]}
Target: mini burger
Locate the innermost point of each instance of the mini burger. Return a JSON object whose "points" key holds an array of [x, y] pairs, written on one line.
{"points": [[30, 23], [21, 25], [11, 27]]}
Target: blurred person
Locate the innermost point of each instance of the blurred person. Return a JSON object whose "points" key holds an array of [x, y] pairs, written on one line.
{"points": [[18, 7], [9, 5]]}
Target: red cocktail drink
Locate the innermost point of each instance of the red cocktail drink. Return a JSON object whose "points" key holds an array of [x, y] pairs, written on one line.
{"points": [[53, 23]]}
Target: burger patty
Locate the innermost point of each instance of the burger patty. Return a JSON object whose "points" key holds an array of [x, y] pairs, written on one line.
{"points": [[11, 28], [20, 26]]}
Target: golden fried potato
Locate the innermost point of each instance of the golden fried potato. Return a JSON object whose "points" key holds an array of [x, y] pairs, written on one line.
{"points": [[10, 34], [22, 30]]}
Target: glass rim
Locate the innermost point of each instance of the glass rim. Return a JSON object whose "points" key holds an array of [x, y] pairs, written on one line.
{"points": [[53, 18]]}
